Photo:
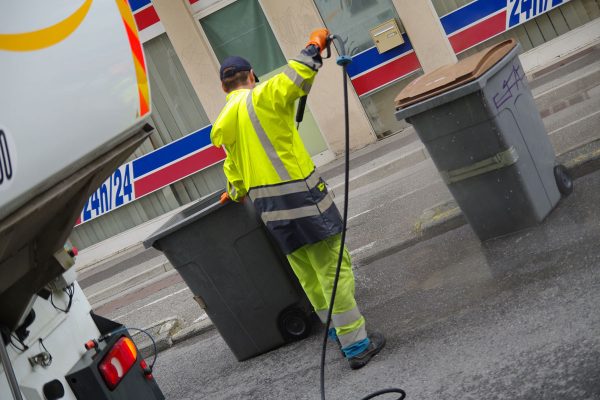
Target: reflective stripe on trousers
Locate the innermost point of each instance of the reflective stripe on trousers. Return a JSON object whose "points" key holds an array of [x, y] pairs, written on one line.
{"points": [[346, 321], [344, 318]]}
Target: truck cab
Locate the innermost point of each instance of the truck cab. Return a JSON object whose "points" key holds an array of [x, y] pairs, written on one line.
{"points": [[74, 104]]}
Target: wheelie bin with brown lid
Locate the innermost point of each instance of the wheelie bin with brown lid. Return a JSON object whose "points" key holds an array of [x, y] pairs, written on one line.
{"points": [[481, 126]]}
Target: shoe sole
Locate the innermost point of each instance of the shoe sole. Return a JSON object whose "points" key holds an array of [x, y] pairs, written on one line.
{"points": [[375, 352]]}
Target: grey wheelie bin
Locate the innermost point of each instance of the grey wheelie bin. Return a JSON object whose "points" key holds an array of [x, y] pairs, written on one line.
{"points": [[240, 278], [481, 127]]}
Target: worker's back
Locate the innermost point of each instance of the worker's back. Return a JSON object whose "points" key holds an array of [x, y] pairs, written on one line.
{"points": [[259, 136]]}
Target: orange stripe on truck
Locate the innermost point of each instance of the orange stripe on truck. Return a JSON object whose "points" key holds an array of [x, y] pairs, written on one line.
{"points": [[138, 56]]}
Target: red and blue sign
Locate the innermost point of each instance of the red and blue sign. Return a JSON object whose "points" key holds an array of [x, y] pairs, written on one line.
{"points": [[465, 27], [153, 171]]}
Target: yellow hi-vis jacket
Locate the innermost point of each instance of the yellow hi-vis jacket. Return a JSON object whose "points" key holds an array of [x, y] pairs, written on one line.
{"points": [[267, 160]]}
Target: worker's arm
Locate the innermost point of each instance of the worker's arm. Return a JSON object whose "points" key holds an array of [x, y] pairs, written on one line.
{"points": [[225, 128], [235, 184], [297, 78]]}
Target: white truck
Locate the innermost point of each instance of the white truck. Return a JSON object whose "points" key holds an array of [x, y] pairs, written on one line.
{"points": [[74, 103]]}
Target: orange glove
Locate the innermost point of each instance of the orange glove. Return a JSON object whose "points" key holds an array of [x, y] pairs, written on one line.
{"points": [[224, 198], [318, 37]]}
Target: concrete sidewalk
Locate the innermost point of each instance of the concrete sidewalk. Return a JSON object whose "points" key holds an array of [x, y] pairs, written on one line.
{"points": [[411, 205]]}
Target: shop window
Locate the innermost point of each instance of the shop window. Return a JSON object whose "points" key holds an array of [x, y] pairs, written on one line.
{"points": [[352, 20], [250, 36], [176, 109]]}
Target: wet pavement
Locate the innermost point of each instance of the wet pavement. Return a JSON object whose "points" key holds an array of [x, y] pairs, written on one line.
{"points": [[515, 318]]}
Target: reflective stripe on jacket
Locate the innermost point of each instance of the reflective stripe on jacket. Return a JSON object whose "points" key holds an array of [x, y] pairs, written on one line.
{"points": [[297, 212], [267, 160]]}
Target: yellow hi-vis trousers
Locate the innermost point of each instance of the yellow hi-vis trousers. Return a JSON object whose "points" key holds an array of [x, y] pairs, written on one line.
{"points": [[314, 265]]}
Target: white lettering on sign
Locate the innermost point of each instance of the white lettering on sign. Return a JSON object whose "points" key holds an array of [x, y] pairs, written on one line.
{"points": [[7, 160], [116, 191], [521, 11]]}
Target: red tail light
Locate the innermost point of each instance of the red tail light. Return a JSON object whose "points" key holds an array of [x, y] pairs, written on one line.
{"points": [[118, 362]]}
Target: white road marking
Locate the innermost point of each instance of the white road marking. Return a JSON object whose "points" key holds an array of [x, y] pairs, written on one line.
{"points": [[152, 303], [359, 214], [574, 122], [362, 248]]}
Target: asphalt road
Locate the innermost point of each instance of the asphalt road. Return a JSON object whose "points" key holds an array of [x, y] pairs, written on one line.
{"points": [[516, 318]]}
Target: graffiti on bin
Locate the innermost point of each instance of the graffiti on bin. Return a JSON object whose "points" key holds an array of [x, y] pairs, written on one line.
{"points": [[511, 86]]}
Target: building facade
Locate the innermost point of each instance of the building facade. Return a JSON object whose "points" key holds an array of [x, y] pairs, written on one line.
{"points": [[185, 40]]}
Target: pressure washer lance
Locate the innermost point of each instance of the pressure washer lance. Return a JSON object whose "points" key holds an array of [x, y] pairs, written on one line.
{"points": [[343, 60], [302, 101]]}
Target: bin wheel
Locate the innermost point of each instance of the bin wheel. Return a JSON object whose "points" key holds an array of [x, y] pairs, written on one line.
{"points": [[294, 324], [564, 182]]}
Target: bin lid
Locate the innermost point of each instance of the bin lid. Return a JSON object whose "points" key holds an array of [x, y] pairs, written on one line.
{"points": [[196, 210], [451, 76]]}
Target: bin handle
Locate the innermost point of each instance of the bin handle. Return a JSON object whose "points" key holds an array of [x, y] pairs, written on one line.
{"points": [[503, 159]]}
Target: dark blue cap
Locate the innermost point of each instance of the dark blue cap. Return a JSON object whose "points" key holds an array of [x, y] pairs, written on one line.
{"points": [[233, 65]]}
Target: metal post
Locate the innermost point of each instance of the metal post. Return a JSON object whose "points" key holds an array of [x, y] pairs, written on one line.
{"points": [[10, 374]]}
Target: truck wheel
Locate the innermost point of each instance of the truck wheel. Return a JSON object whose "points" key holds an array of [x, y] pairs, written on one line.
{"points": [[294, 324], [564, 182]]}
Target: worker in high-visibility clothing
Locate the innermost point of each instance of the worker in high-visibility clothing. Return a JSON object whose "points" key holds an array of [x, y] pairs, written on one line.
{"points": [[267, 161]]}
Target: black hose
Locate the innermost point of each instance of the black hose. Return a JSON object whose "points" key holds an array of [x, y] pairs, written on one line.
{"points": [[343, 61], [343, 239]]}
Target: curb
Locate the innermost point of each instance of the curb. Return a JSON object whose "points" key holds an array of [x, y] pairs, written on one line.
{"points": [[195, 329], [439, 219], [167, 333], [582, 160], [161, 331]]}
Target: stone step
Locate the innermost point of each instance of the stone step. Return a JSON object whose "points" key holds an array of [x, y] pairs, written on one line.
{"points": [[569, 115], [404, 180], [375, 150], [381, 167], [579, 125], [568, 93], [105, 290]]}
